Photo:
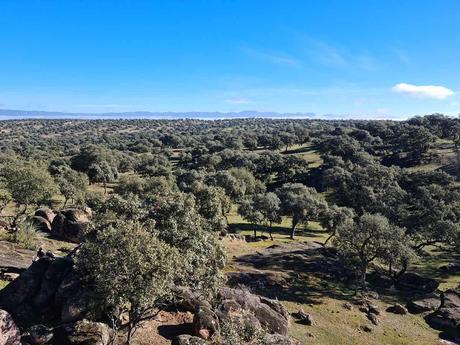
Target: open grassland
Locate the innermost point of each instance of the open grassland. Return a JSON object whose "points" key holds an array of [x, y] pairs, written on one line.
{"points": [[323, 299]]}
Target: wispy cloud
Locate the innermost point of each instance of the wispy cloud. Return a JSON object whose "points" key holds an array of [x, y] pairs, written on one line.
{"points": [[423, 91], [402, 55], [237, 100], [275, 58], [325, 53], [366, 62], [332, 56]]}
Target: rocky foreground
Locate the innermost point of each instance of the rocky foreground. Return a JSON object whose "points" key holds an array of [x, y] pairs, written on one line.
{"points": [[47, 304]]}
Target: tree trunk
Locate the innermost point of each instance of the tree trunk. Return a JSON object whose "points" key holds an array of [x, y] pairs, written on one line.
{"points": [[363, 275], [65, 201], [255, 230], [18, 215], [270, 230], [294, 224], [105, 186], [328, 239], [132, 327]]}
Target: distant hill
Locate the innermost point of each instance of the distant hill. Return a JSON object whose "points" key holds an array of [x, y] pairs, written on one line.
{"points": [[36, 114]]}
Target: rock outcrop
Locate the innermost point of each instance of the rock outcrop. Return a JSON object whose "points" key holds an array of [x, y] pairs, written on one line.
{"points": [[447, 317], [85, 332], [9, 332], [273, 317], [69, 224], [422, 305], [417, 283], [250, 311], [47, 288], [38, 335], [45, 213], [187, 339], [41, 223], [397, 309]]}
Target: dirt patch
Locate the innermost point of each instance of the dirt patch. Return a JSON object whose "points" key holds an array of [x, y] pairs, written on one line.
{"points": [[163, 328]]}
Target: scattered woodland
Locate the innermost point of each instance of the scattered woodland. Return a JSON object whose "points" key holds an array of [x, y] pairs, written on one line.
{"points": [[242, 231]]}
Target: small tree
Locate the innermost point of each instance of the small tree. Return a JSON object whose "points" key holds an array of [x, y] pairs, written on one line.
{"points": [[247, 211], [335, 217], [72, 184], [234, 187], [129, 269], [28, 184], [103, 173], [371, 238], [212, 203], [5, 199], [300, 202], [262, 208]]}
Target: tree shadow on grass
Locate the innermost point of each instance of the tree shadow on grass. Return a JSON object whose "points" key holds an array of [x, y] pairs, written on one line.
{"points": [[434, 261], [306, 273], [276, 230], [300, 274], [302, 149]]}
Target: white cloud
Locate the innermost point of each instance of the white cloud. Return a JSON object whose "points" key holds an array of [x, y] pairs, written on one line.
{"points": [[423, 91], [238, 100]]}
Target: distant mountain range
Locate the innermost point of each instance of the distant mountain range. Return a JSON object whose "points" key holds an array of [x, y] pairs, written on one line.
{"points": [[8, 114]]}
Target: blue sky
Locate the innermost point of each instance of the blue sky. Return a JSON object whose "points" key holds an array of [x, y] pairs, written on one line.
{"points": [[364, 58]]}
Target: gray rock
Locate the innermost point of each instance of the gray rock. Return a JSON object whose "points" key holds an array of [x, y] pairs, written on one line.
{"points": [[9, 332], [188, 300], [69, 224], [278, 339], [397, 309], [451, 267], [273, 317], [85, 332], [38, 335], [422, 305], [373, 309], [243, 297], [348, 306], [205, 322], [373, 318], [379, 280], [53, 276], [366, 328], [271, 320], [42, 223], [415, 282], [45, 213], [447, 317], [186, 339], [23, 289], [304, 318]]}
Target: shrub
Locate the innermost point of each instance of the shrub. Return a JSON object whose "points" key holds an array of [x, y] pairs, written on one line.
{"points": [[26, 235]]}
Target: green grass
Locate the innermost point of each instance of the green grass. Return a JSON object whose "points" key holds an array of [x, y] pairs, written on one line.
{"points": [[324, 299], [3, 283], [280, 232], [429, 266]]}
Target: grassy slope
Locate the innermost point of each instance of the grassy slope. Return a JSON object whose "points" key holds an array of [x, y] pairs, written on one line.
{"points": [[335, 324]]}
